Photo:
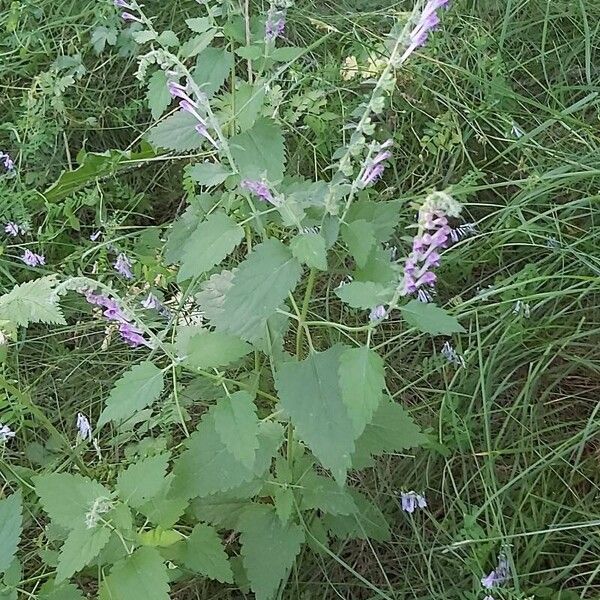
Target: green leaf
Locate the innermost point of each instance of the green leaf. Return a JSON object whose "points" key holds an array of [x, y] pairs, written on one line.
{"points": [[259, 287], [208, 349], [259, 152], [204, 553], [166, 507], [211, 296], [359, 236], [391, 430], [140, 576], [269, 549], [159, 537], [11, 523], [309, 249], [198, 44], [383, 216], [181, 230], [168, 38], [325, 494], [246, 104], [238, 426], [362, 379], [102, 36], [429, 318], [363, 294], [250, 52], [176, 132], [310, 394], [207, 466], [135, 390], [143, 480], [68, 498], [286, 53], [32, 302], [212, 241], [64, 591], [214, 65], [81, 546], [142, 37], [209, 174], [283, 500], [158, 94], [378, 268], [198, 24]]}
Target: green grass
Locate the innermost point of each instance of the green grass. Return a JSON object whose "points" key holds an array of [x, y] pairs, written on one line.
{"points": [[516, 459]]}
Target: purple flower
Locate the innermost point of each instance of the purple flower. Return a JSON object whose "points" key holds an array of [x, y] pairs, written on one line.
{"points": [[428, 21], [203, 131], [13, 229], [7, 161], [179, 91], [132, 335], [112, 310], [95, 236], [275, 25], [191, 107], [260, 189], [151, 302], [411, 501], [6, 433], [127, 16], [84, 429], [374, 169], [122, 4], [499, 576], [32, 259], [377, 313], [123, 266]]}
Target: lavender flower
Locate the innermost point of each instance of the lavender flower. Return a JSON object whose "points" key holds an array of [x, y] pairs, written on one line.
{"points": [[132, 335], [6, 433], [84, 429], [122, 4], [127, 16], [203, 131], [377, 313], [188, 105], [32, 259], [260, 189], [7, 161], [374, 169], [428, 21], [179, 91], [411, 501], [275, 24], [499, 576], [151, 302], [123, 266], [452, 356], [13, 229]]}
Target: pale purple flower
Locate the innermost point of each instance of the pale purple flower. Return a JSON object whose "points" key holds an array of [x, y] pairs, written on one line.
{"points": [[95, 236], [428, 21], [6, 433], [259, 188], [84, 429], [411, 501], [132, 335], [499, 576], [13, 229], [203, 131], [275, 24], [377, 313], [7, 161], [122, 4], [191, 107], [112, 310], [127, 16], [151, 302], [374, 168], [123, 266], [32, 259], [452, 356], [179, 91]]}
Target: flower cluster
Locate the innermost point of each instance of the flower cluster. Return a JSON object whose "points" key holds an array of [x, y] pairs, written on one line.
{"points": [[428, 21], [433, 235], [260, 189], [126, 15], [410, 501], [123, 266], [13, 229], [275, 24], [32, 259], [192, 107], [129, 333], [499, 576], [6, 433], [374, 168], [6, 161]]}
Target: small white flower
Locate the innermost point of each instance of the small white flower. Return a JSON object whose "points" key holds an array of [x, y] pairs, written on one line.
{"points": [[84, 429], [6, 433], [452, 356]]}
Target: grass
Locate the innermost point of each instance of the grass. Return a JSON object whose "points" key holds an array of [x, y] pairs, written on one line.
{"points": [[515, 463]]}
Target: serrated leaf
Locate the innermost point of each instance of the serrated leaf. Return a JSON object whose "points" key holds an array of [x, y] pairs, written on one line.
{"points": [[211, 296], [325, 494], [204, 553], [180, 232], [207, 349], [363, 294], [238, 426], [378, 268], [207, 466], [176, 132], [362, 379], [11, 523], [143, 480], [165, 508], [135, 390], [244, 105], [214, 65], [383, 216], [310, 395], [212, 241], [32, 302], [158, 96], [260, 152], [140, 576], [283, 500], [269, 549], [168, 38], [159, 537], [429, 318], [102, 36], [309, 249], [64, 591], [259, 287], [81, 546], [197, 44], [68, 498], [142, 37], [391, 430], [198, 24], [250, 52], [209, 174], [359, 236], [286, 53]]}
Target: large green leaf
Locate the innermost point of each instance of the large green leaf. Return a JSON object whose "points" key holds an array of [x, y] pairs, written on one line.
{"points": [[209, 174], [362, 379], [310, 394], [204, 553], [140, 576], [211, 241], [81, 546], [325, 494], [143, 480], [430, 318], [176, 132], [11, 522], [363, 294], [32, 302], [205, 349], [135, 390], [68, 498], [383, 216], [259, 286], [214, 65], [360, 239], [309, 248], [238, 426], [166, 507], [158, 94], [211, 296], [260, 152], [391, 430], [64, 591], [207, 466], [269, 548]]}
